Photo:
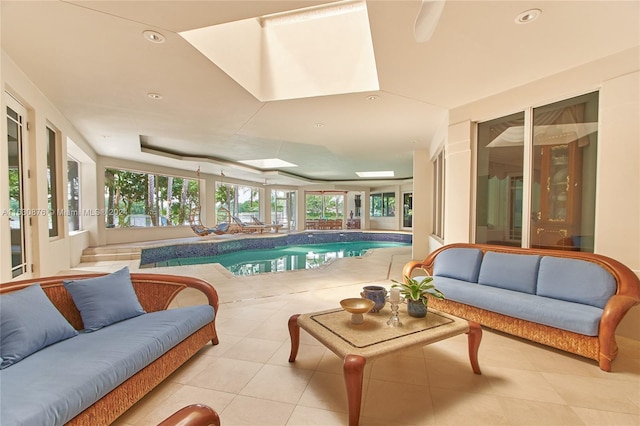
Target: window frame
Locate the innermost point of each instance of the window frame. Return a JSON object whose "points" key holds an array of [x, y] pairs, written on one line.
{"points": [[53, 195], [438, 165], [387, 206]]}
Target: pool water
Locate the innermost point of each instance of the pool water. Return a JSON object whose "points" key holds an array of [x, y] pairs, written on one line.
{"points": [[286, 258]]}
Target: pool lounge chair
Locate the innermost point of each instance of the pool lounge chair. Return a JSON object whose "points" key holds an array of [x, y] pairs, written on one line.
{"points": [[201, 230], [241, 226], [275, 227]]}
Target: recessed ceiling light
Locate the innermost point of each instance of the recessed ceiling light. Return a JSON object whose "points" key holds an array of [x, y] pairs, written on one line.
{"points": [[373, 97], [318, 124], [154, 95], [388, 173], [528, 16], [153, 36]]}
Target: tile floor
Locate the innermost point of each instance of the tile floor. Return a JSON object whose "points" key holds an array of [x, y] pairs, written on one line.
{"points": [[247, 377]]}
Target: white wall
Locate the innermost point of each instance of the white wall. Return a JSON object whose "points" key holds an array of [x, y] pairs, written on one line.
{"points": [[617, 77], [48, 255]]}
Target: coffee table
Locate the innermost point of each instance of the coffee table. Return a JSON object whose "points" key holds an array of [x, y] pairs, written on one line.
{"points": [[357, 343]]}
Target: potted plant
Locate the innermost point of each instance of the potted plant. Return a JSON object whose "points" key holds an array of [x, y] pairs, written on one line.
{"points": [[416, 294]]}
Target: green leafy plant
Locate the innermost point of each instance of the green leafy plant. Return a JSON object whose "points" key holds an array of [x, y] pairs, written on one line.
{"points": [[418, 290]]}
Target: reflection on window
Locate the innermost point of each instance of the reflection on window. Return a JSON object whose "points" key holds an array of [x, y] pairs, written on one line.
{"points": [[499, 181], [565, 136], [383, 204], [136, 199], [562, 177]]}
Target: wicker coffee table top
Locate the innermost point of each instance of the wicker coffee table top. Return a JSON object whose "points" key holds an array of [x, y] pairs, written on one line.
{"points": [[334, 329]]}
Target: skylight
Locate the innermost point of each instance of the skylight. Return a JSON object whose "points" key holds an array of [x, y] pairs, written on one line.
{"points": [[316, 51], [268, 163], [388, 173]]}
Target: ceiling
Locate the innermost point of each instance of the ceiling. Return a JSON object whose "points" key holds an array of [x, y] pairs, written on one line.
{"points": [[90, 60]]}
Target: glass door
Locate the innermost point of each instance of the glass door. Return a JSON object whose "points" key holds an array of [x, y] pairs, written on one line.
{"points": [[407, 210], [17, 218]]}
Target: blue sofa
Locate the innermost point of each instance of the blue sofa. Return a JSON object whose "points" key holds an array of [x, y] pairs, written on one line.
{"points": [[568, 300], [97, 367]]}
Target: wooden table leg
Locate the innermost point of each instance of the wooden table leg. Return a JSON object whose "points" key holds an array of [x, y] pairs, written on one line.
{"points": [[474, 336], [353, 368], [294, 332]]}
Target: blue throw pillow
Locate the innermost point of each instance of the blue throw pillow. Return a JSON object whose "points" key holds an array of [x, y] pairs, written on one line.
{"points": [[459, 263], [28, 323], [105, 300]]}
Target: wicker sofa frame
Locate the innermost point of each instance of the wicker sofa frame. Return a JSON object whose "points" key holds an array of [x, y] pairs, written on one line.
{"points": [[155, 292], [602, 348]]}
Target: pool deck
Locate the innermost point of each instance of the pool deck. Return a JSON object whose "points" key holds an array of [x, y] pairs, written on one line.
{"points": [[376, 265]]}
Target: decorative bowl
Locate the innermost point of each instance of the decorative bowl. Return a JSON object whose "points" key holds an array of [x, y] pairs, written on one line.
{"points": [[357, 306]]}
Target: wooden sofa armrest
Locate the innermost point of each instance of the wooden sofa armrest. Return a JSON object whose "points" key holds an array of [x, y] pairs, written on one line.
{"points": [[615, 309], [193, 415], [410, 267]]}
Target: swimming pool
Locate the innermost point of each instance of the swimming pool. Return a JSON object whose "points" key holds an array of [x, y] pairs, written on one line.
{"points": [[272, 253], [286, 258]]}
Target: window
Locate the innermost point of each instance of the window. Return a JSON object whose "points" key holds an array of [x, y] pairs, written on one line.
{"points": [[383, 204], [499, 198], [438, 195], [325, 206], [137, 199], [73, 194], [283, 208], [237, 200], [551, 203], [52, 182]]}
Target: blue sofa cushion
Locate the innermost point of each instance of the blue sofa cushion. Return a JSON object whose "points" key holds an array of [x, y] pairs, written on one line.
{"points": [[459, 263], [28, 323], [55, 384], [518, 272], [105, 300], [575, 280], [575, 317]]}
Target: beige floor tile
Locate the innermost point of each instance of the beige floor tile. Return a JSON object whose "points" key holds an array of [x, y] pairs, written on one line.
{"points": [[308, 358], [325, 391], [596, 393], [227, 375], [306, 416], [400, 368], [248, 411], [398, 403], [456, 375], [250, 349], [592, 417], [521, 384], [455, 407], [534, 413], [276, 383]]}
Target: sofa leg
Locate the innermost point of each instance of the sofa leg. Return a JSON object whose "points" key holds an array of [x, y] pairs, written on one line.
{"points": [[605, 362]]}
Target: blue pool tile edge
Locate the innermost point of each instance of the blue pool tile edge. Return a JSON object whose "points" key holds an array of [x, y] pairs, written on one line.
{"points": [[150, 256]]}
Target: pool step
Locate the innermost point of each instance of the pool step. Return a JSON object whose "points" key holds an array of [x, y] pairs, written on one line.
{"points": [[101, 254]]}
